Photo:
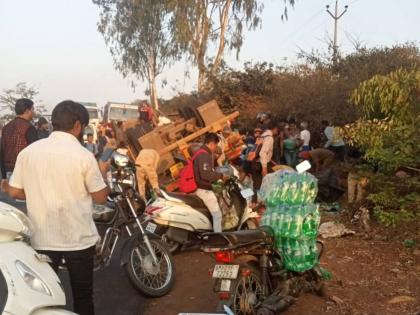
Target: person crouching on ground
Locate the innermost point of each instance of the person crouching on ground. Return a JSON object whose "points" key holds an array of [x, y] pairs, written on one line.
{"points": [[147, 163], [322, 159], [61, 208], [205, 175]]}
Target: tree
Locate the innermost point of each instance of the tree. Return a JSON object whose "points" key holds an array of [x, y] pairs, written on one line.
{"points": [[388, 130], [196, 24], [9, 97], [138, 38]]}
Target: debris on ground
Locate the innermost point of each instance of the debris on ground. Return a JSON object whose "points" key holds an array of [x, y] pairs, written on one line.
{"points": [[337, 300], [333, 207], [401, 299], [334, 229], [409, 243]]}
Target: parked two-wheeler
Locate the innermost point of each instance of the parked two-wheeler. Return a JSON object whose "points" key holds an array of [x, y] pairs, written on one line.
{"points": [[147, 261], [28, 284], [249, 274], [181, 219]]}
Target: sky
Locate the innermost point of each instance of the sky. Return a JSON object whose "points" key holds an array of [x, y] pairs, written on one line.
{"points": [[54, 45]]}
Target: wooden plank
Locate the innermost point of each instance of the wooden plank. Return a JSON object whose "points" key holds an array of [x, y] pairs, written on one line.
{"points": [[210, 112], [214, 127]]}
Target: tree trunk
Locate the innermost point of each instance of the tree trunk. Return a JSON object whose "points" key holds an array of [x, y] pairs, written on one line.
{"points": [[201, 79], [153, 94], [152, 83], [223, 17]]}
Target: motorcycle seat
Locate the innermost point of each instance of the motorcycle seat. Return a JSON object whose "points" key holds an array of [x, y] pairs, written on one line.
{"points": [[193, 201], [236, 239]]}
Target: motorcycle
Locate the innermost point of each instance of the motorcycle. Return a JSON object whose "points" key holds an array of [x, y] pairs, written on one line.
{"points": [[28, 284], [249, 274], [147, 261], [182, 219]]}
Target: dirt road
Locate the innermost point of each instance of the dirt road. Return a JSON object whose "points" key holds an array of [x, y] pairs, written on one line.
{"points": [[371, 276]]}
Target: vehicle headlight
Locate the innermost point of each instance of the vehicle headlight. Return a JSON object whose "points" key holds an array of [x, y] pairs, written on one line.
{"points": [[31, 278]]}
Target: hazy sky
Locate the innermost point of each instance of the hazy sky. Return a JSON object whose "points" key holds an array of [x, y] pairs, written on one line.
{"points": [[54, 44]]}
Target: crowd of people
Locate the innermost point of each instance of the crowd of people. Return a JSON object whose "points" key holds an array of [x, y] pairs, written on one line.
{"points": [[60, 178], [273, 144]]}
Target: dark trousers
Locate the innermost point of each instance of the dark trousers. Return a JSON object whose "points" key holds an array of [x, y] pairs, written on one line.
{"points": [[340, 152], [257, 177], [80, 266]]}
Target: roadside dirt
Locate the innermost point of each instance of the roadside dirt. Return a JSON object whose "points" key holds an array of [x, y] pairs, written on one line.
{"points": [[373, 274]]}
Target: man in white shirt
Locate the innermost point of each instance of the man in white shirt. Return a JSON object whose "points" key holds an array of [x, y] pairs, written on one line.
{"points": [[305, 137], [334, 142], [264, 150], [60, 179]]}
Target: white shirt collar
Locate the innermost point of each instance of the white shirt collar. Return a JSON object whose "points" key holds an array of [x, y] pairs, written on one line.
{"points": [[62, 135]]}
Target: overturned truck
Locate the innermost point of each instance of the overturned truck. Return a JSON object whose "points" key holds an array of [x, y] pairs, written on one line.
{"points": [[172, 140]]}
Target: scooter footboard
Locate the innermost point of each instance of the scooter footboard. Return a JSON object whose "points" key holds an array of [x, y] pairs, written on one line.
{"points": [[52, 311]]}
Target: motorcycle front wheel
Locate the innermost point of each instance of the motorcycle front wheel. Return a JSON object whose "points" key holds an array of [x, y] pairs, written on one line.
{"points": [[150, 278]]}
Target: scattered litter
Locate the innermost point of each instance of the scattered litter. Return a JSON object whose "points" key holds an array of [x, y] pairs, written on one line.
{"points": [[325, 274], [333, 207], [334, 229], [401, 299], [337, 300], [402, 174], [409, 243]]}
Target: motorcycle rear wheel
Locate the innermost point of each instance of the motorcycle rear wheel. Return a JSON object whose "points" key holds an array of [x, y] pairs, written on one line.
{"points": [[153, 280], [247, 291]]}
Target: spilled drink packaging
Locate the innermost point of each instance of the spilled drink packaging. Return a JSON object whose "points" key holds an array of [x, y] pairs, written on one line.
{"points": [[293, 216]]}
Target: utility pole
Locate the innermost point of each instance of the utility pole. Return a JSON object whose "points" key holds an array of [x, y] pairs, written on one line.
{"points": [[336, 17]]}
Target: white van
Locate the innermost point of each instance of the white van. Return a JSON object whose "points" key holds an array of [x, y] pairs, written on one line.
{"points": [[120, 112], [95, 119], [95, 116]]}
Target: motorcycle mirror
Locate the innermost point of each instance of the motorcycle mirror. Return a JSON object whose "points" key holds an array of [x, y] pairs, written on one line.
{"points": [[303, 167]]}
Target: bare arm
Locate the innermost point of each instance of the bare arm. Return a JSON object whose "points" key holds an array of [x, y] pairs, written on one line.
{"points": [[13, 192], [99, 197]]}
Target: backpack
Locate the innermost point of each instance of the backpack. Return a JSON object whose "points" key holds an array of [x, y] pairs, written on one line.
{"points": [[187, 183]]}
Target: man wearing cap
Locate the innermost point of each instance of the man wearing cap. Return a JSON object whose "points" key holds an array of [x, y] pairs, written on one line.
{"points": [[322, 159]]}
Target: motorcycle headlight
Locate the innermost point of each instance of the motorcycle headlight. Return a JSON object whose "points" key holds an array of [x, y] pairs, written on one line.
{"points": [[31, 278]]}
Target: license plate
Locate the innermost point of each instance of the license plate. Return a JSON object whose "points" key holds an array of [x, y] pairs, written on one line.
{"points": [[247, 193], [226, 271], [151, 227]]}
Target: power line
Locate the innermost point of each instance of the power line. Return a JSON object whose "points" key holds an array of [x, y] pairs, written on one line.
{"points": [[299, 29]]}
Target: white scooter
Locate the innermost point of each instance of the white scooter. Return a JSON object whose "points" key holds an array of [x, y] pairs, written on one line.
{"points": [[181, 219], [28, 285]]}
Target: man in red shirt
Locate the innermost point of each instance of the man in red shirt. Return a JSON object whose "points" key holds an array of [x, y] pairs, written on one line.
{"points": [[17, 135]]}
